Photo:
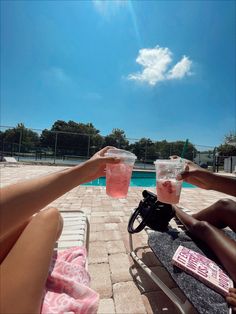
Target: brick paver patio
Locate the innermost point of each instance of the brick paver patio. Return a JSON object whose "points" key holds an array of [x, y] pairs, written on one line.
{"points": [[122, 286]]}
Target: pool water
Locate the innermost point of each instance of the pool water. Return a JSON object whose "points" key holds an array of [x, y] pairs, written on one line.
{"points": [[139, 178]]}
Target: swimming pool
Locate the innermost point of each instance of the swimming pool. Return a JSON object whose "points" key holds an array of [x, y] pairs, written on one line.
{"points": [[139, 178]]}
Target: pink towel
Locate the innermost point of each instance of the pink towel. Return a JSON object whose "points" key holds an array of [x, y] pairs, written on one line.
{"points": [[67, 288]]}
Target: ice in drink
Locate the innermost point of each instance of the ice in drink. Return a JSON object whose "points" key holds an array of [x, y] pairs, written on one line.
{"points": [[118, 175], [168, 187], [118, 179], [168, 190]]}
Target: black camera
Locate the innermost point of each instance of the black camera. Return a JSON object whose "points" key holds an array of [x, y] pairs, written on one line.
{"points": [[154, 214]]}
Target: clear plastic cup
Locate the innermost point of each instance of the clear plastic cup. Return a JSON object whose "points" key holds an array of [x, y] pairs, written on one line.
{"points": [[168, 187], [118, 175]]}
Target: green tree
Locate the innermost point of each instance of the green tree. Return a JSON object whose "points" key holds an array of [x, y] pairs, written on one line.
{"points": [[117, 139], [176, 148], [47, 140], [163, 149], [228, 148], [20, 135], [72, 138], [144, 149], [230, 138], [147, 150]]}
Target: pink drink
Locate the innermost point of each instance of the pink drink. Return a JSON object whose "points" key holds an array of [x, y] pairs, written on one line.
{"points": [[118, 179], [168, 190]]}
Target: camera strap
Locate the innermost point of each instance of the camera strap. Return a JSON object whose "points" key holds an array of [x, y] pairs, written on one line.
{"points": [[154, 214]]}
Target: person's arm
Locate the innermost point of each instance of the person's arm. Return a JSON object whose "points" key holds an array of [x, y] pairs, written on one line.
{"points": [[221, 183], [21, 200], [207, 180]]}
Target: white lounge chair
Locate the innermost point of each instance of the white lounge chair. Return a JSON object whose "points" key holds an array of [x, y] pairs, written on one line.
{"points": [[75, 230], [9, 161]]}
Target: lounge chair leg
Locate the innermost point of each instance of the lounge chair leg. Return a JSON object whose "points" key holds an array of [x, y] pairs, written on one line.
{"points": [[184, 308]]}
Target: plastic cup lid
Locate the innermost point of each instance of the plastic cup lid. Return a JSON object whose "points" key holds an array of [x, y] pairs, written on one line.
{"points": [[121, 153], [178, 164], [168, 161]]}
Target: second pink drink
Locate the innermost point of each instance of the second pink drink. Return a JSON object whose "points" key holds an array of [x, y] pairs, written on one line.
{"points": [[168, 187]]}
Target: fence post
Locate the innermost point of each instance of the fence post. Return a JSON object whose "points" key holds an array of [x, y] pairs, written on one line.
{"points": [[55, 148], [145, 155], [214, 160], [20, 140], [199, 158], [170, 149], [217, 162], [3, 147], [88, 146]]}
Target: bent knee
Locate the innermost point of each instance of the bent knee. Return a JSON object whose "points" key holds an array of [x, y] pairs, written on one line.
{"points": [[200, 227], [226, 203], [51, 214], [50, 220]]}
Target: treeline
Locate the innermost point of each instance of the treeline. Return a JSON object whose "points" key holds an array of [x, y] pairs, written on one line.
{"points": [[78, 139]]}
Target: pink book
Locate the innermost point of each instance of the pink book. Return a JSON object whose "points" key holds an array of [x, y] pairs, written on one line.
{"points": [[203, 269]]}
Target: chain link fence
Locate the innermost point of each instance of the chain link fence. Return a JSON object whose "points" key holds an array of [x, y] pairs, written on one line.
{"points": [[57, 147]]}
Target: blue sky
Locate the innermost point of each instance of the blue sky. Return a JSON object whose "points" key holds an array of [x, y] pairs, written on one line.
{"points": [[156, 69]]}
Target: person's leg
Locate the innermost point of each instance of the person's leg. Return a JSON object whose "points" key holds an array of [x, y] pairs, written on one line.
{"points": [[24, 270], [231, 299], [222, 246], [221, 214], [9, 241]]}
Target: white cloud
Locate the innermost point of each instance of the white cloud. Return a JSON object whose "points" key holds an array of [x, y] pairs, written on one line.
{"points": [[156, 63], [108, 7], [181, 69]]}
